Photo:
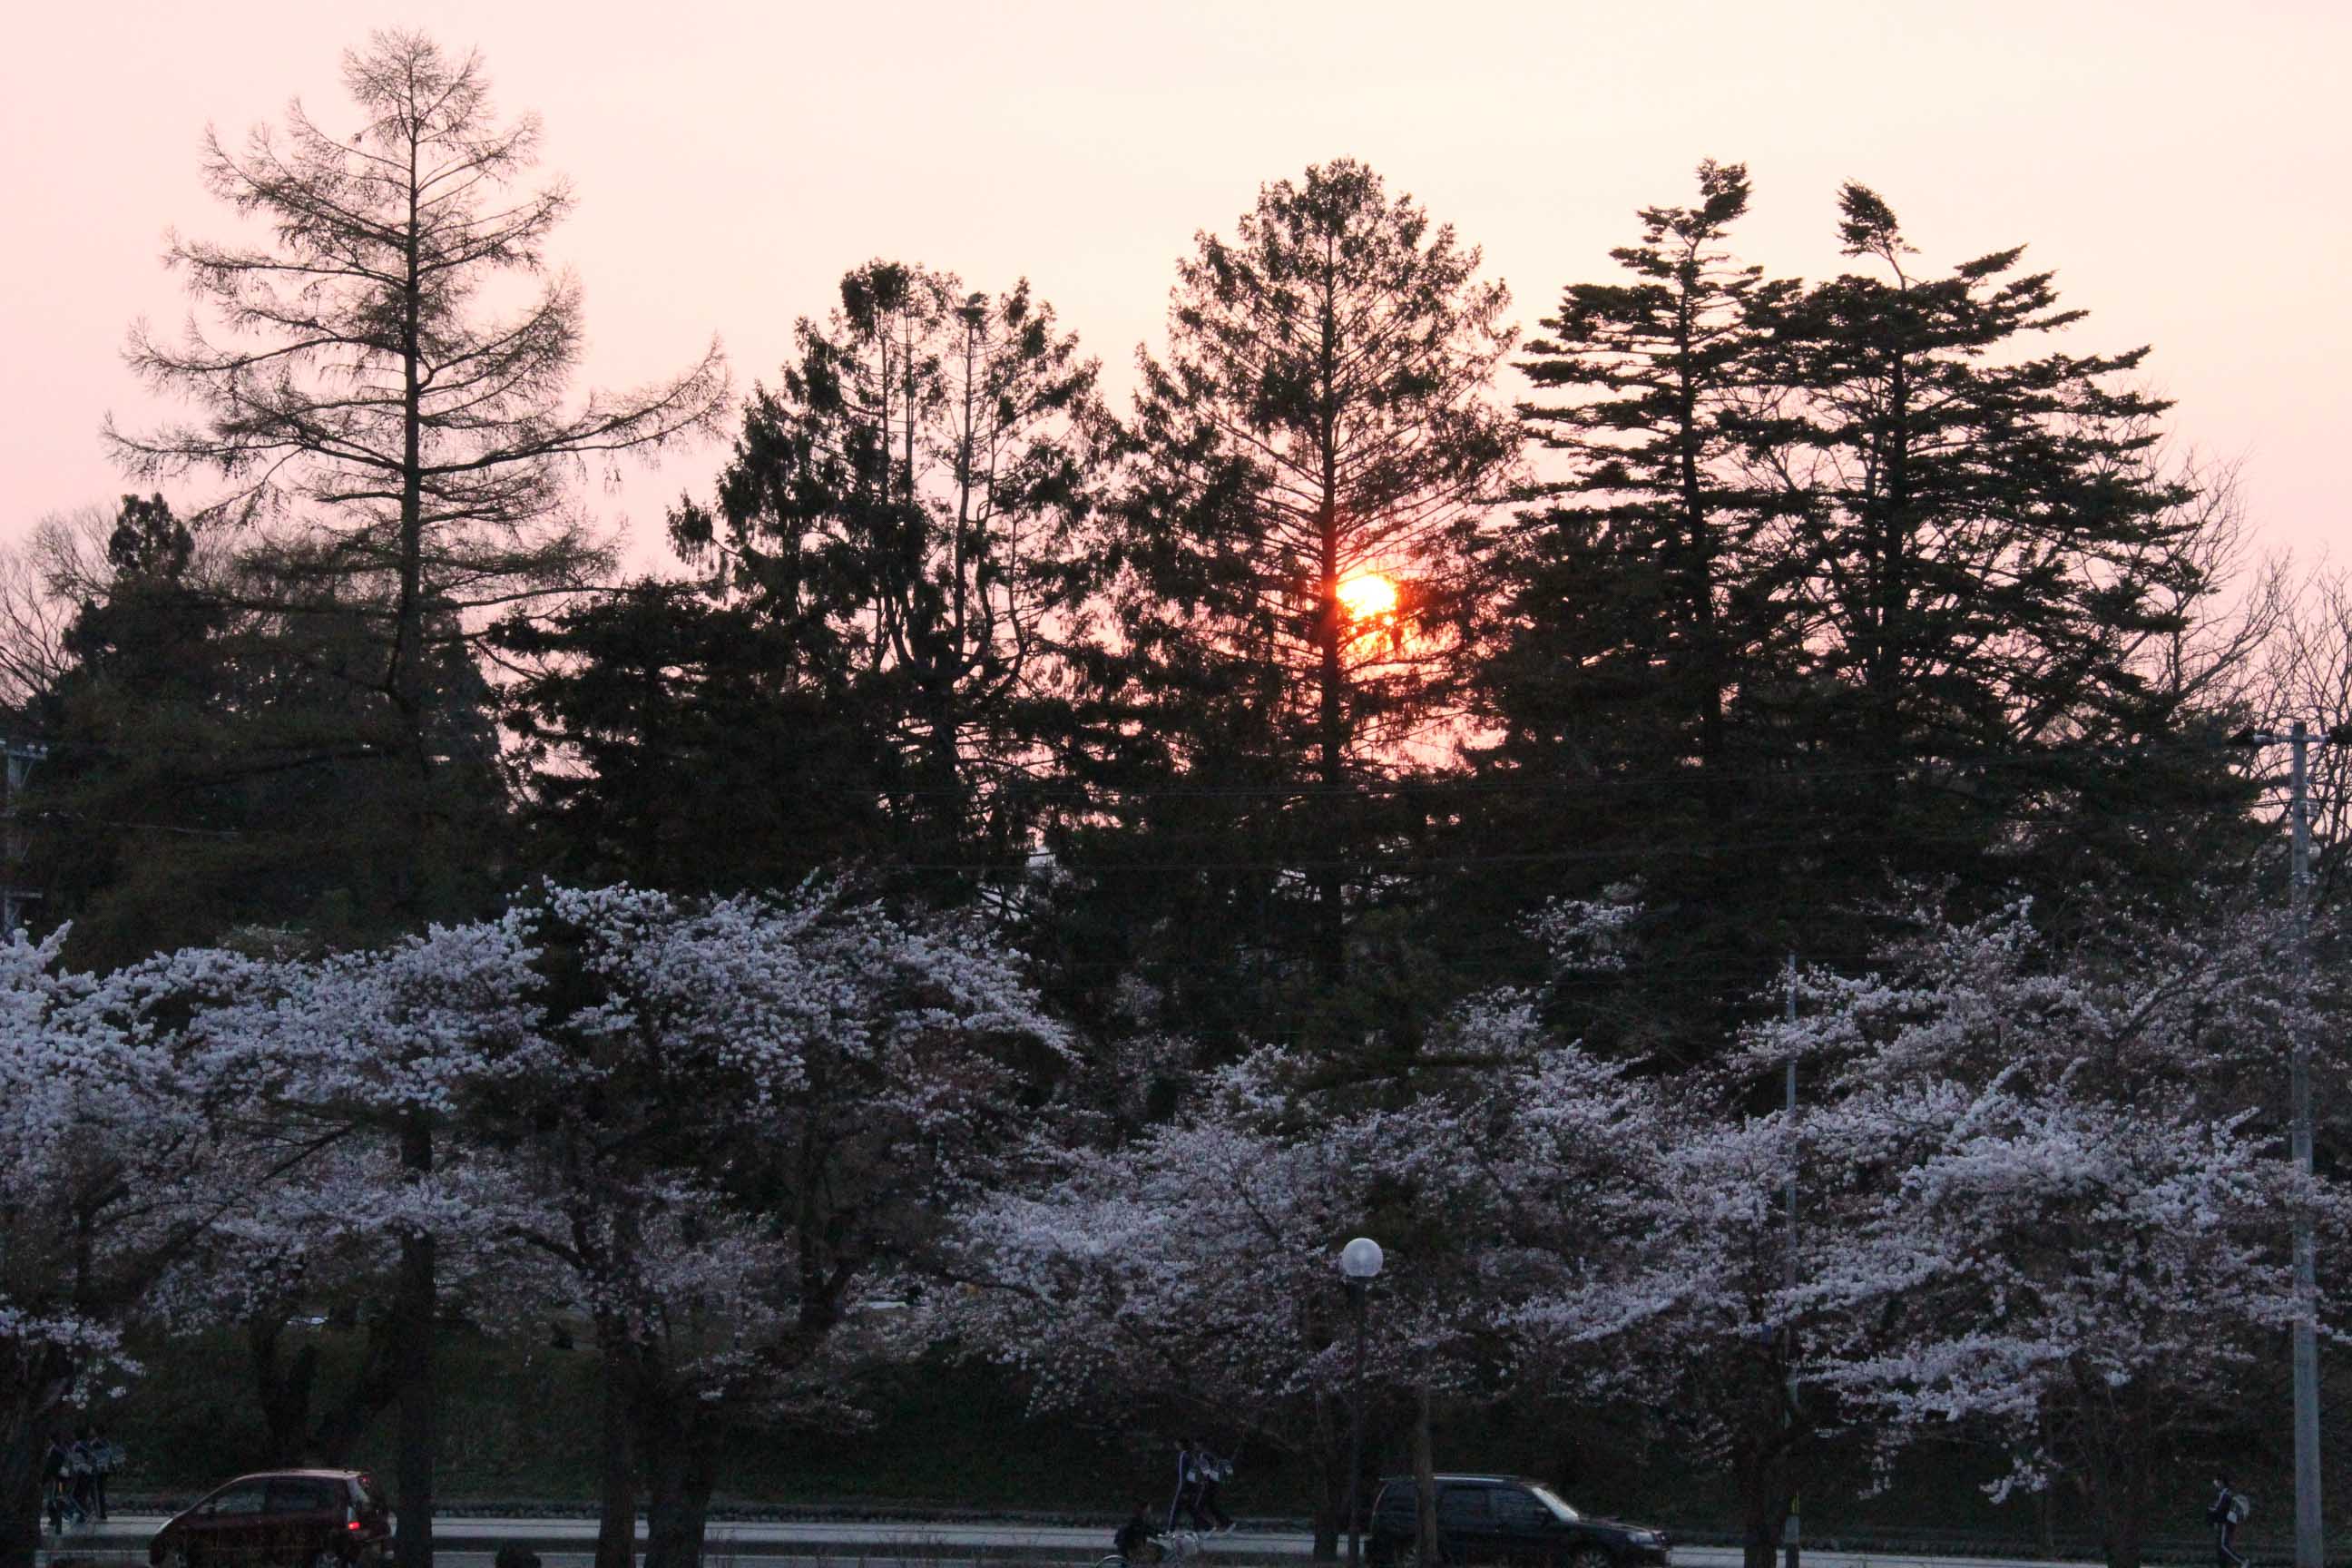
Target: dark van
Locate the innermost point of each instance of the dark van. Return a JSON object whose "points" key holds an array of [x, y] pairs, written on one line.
{"points": [[1509, 1523]]}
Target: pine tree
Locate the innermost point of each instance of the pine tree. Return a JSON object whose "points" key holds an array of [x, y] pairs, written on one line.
{"points": [[667, 742], [1312, 459], [911, 516], [1989, 544], [215, 758], [1640, 623], [1834, 589]]}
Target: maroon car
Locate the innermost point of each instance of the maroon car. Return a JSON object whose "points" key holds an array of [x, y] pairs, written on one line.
{"points": [[303, 1519]]}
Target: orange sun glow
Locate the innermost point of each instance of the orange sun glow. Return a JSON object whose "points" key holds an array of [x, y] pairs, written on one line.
{"points": [[1367, 596]]}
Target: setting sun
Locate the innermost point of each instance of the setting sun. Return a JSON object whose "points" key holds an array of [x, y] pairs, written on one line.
{"points": [[1368, 595]]}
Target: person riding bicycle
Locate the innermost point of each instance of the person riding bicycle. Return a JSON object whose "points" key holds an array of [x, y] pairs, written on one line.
{"points": [[1134, 1543]]}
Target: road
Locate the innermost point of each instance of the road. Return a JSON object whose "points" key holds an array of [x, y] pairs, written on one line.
{"points": [[468, 1542]]}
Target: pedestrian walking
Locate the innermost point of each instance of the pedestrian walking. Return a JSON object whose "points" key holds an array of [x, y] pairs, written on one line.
{"points": [[106, 1455], [1186, 1501], [81, 1468], [54, 1500], [1209, 1478], [2225, 1513]]}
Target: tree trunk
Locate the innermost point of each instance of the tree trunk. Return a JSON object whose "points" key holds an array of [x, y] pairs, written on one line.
{"points": [[1425, 1483], [2112, 1459], [947, 813], [29, 1400], [1326, 1521], [1330, 1510], [2123, 1539], [373, 1386], [1330, 884], [1764, 1499], [414, 1303], [22, 1442], [1331, 717], [282, 1389], [2122, 1499], [679, 1456], [617, 1492], [1763, 1459]]}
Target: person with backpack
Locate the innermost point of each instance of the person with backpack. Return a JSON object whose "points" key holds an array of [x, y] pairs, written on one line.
{"points": [[81, 1467], [2225, 1513], [1209, 1474], [106, 1456], [55, 1499], [1183, 1503]]}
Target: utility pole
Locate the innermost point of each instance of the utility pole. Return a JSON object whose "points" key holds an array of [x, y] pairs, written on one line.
{"points": [[21, 756], [1792, 1549], [2309, 1545]]}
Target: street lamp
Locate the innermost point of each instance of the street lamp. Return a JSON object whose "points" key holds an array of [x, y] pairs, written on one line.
{"points": [[1360, 1260]]}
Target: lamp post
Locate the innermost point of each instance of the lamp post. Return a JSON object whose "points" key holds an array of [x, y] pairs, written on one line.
{"points": [[1360, 1260]]}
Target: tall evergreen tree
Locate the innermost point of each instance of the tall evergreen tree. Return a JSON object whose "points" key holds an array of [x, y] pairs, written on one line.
{"points": [[1641, 620], [1312, 458], [910, 518], [215, 764], [1833, 587], [668, 742], [1989, 543]]}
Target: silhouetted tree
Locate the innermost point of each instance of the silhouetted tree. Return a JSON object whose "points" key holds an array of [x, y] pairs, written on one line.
{"points": [[209, 760], [357, 388], [671, 742], [912, 514], [1643, 617], [1841, 587], [1312, 458], [1990, 546]]}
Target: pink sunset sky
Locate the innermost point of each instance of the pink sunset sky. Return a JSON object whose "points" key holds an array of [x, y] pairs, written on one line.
{"points": [[2182, 167]]}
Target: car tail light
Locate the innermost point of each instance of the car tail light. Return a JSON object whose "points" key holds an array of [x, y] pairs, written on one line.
{"points": [[353, 1525]]}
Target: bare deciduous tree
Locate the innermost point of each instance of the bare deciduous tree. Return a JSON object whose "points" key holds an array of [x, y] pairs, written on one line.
{"points": [[414, 444], [355, 381]]}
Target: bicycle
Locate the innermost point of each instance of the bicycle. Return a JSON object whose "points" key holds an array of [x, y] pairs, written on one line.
{"points": [[1165, 1550]]}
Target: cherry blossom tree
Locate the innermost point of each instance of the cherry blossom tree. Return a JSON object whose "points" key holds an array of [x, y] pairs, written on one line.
{"points": [[2074, 1224], [1187, 1276], [392, 1050], [116, 1157], [1639, 1249], [316, 1227], [724, 1130], [764, 1106]]}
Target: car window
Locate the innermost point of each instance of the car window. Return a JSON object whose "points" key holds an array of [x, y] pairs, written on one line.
{"points": [[304, 1494], [369, 1491], [1461, 1508], [1554, 1501], [1520, 1508], [246, 1497]]}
